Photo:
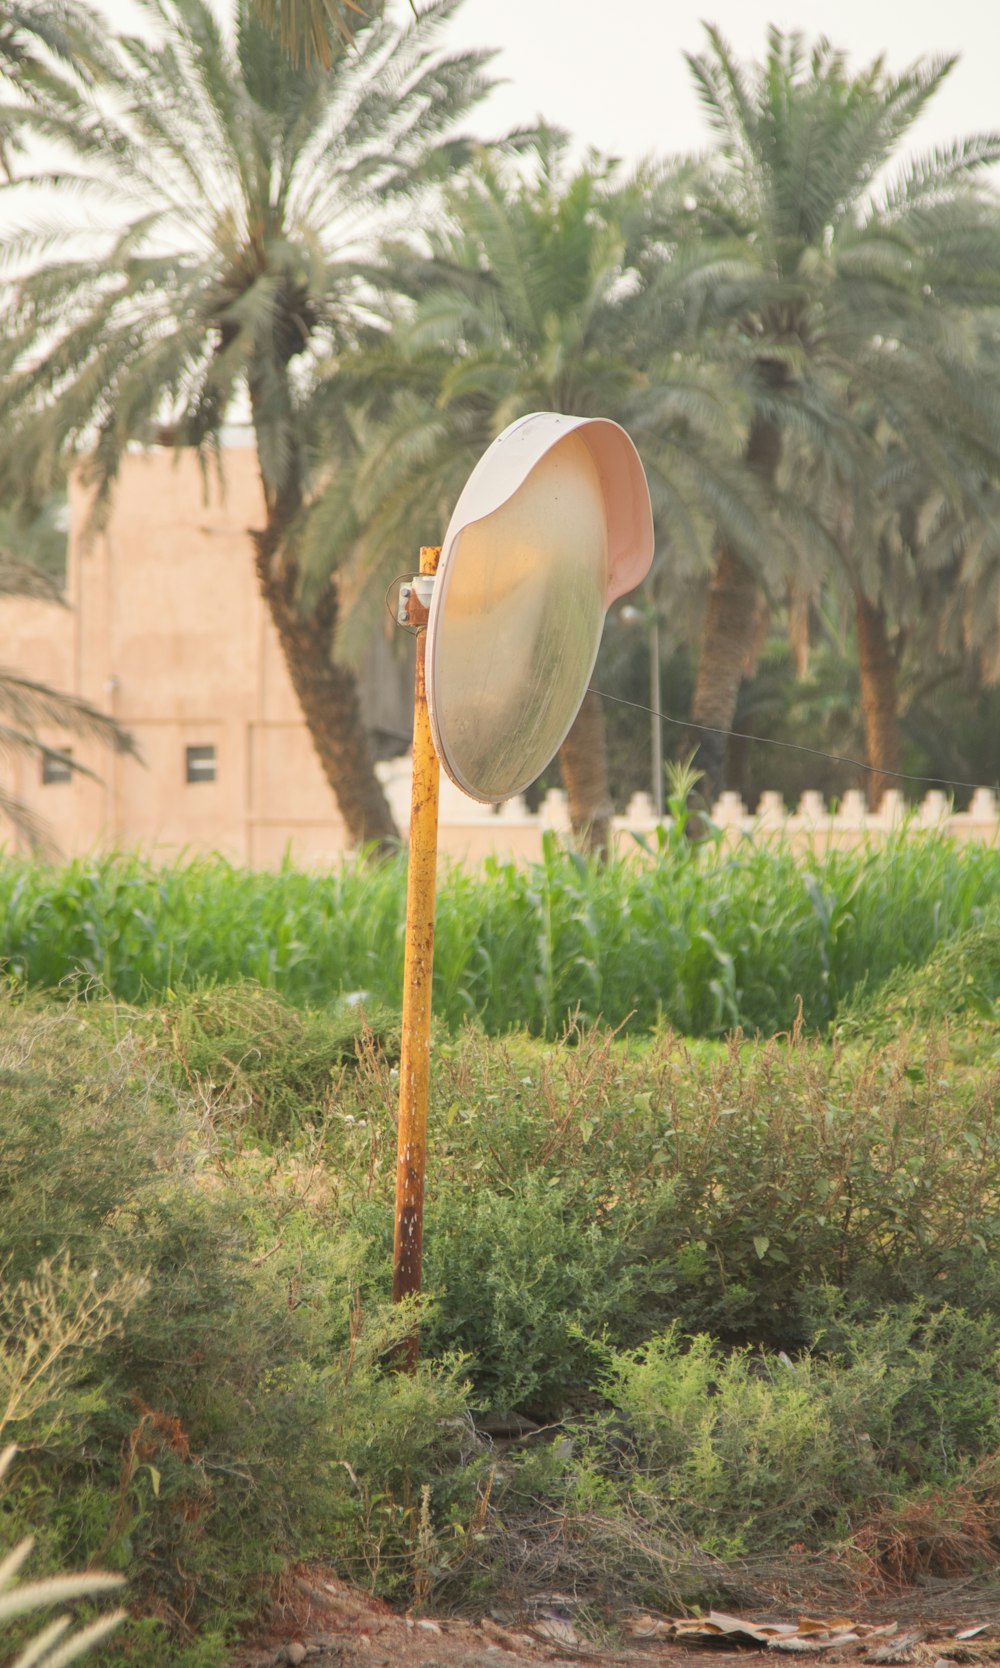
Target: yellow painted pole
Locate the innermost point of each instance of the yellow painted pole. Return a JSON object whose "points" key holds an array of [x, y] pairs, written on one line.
{"points": [[414, 1062]]}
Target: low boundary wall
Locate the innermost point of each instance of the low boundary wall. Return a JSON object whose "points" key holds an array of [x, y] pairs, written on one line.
{"points": [[470, 832]]}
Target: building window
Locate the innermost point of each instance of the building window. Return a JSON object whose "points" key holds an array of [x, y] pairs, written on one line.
{"points": [[56, 767], [200, 764]]}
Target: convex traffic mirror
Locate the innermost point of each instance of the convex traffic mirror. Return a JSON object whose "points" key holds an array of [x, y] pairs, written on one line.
{"points": [[553, 525]]}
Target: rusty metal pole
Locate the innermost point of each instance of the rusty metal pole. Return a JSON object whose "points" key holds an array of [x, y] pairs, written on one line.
{"points": [[414, 1062]]}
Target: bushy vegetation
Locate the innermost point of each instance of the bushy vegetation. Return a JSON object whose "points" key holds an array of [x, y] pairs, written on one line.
{"points": [[186, 1376], [48, 1647], [748, 1289], [695, 936]]}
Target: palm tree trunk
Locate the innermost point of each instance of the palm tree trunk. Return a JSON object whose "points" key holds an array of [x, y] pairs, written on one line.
{"points": [[327, 693], [730, 626], [328, 696], [583, 760], [726, 640], [879, 696]]}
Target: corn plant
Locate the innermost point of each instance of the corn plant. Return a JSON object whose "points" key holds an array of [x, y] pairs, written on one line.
{"points": [[700, 936]]}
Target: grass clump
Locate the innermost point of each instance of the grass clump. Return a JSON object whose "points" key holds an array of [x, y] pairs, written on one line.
{"points": [[958, 984], [753, 1451], [271, 1066], [52, 1646]]}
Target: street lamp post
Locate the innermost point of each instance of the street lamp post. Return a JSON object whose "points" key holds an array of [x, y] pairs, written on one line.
{"points": [[649, 617]]}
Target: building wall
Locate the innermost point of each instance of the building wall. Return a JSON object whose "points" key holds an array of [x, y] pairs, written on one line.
{"points": [[165, 630]]}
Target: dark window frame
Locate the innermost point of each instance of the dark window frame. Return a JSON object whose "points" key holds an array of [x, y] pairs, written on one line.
{"points": [[57, 769], [201, 763]]}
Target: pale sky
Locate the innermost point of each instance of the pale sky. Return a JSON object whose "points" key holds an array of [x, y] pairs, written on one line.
{"points": [[612, 71]]}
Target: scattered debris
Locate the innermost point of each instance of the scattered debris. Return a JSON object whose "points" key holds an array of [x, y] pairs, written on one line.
{"points": [[320, 1621], [508, 1637], [901, 1649], [809, 1633], [555, 1628]]}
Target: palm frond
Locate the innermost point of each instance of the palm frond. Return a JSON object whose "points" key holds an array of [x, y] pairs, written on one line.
{"points": [[311, 31], [938, 174], [20, 579], [28, 703]]}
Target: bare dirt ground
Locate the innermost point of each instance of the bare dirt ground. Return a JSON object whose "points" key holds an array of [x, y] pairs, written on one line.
{"points": [[323, 1623]]}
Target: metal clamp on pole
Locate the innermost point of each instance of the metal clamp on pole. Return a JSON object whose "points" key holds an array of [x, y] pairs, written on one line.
{"points": [[413, 602]]}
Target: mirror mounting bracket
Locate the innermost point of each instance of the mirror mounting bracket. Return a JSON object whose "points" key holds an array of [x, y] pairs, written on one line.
{"points": [[413, 601]]}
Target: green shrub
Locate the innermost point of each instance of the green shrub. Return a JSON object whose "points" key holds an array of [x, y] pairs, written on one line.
{"points": [[52, 1646], [523, 1285], [820, 1219], [211, 1398], [743, 1450], [609, 1189], [746, 1452], [720, 1188], [923, 1383], [789, 1167]]}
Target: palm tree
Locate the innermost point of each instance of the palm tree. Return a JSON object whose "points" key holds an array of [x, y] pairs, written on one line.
{"points": [[836, 275], [925, 571], [39, 37], [915, 532], [532, 295], [39, 535], [244, 191]]}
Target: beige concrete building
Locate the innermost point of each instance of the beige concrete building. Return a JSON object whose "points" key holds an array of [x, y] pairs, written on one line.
{"points": [[165, 630]]}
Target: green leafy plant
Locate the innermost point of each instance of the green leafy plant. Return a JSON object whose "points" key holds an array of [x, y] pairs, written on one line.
{"points": [[54, 1646]]}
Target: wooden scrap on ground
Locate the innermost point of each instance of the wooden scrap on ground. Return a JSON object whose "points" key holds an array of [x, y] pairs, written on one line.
{"points": [[809, 1633]]}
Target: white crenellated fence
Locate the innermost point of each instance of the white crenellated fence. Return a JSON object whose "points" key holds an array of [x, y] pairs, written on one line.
{"points": [[470, 832]]}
